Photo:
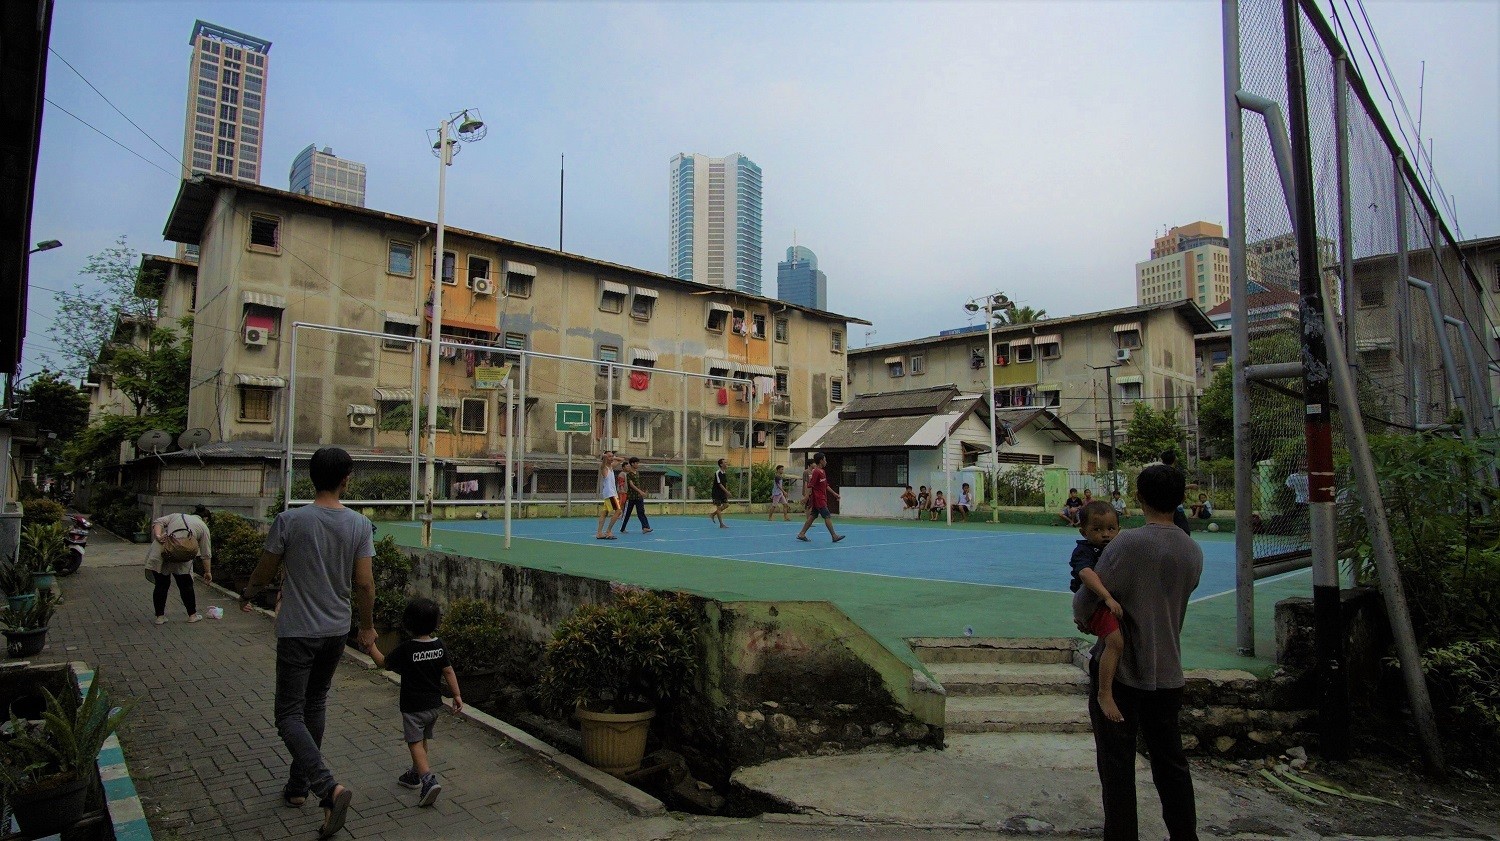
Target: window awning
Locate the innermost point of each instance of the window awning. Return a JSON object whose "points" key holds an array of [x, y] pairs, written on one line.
{"points": [[401, 318], [757, 370], [472, 469], [1049, 339], [643, 292], [714, 306], [1049, 387], [1134, 325], [259, 381], [1129, 378], [1383, 343], [510, 267], [453, 324], [971, 447], [264, 299], [643, 354], [894, 360], [361, 409], [616, 288], [404, 395], [1020, 342]]}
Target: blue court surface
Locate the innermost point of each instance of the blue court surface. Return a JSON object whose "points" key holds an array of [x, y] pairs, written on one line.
{"points": [[1023, 557]]}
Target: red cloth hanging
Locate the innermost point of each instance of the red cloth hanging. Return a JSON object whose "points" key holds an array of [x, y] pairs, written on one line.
{"points": [[723, 397], [639, 380]]}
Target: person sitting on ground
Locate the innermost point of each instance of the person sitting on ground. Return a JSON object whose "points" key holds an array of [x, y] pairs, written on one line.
{"points": [[1070, 509], [1203, 509], [939, 505], [1099, 525], [908, 500], [965, 502], [924, 500], [1117, 502]]}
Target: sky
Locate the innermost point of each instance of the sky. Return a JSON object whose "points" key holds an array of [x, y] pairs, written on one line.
{"points": [[928, 153]]}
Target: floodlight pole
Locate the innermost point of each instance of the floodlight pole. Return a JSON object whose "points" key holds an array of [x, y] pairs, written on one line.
{"points": [[989, 356]]}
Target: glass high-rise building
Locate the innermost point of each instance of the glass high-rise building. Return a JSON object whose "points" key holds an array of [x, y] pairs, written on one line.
{"points": [[322, 174], [226, 103], [715, 227], [798, 280]]}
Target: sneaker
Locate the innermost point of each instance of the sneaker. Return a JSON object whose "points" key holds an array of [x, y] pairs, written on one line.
{"points": [[431, 788], [838, 538], [411, 779], [161, 620], [196, 617]]}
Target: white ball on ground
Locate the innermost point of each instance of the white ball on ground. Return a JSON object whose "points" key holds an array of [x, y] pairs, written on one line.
{"points": [[479, 515], [1213, 526]]}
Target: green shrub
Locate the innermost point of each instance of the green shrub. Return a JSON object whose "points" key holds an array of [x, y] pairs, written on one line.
{"points": [[378, 486], [392, 567], [237, 546], [1466, 675], [638, 650], [42, 512], [475, 636], [1019, 485], [115, 509]]}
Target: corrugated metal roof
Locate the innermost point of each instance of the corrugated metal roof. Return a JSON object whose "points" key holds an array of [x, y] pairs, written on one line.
{"points": [[900, 403], [871, 433]]}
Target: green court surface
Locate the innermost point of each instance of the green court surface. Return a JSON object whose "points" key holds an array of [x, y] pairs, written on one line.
{"points": [[688, 554]]}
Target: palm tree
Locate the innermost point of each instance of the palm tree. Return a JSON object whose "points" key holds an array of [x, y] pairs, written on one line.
{"points": [[1021, 315]]}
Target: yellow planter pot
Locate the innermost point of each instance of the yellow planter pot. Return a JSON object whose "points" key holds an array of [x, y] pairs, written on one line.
{"points": [[614, 742]]}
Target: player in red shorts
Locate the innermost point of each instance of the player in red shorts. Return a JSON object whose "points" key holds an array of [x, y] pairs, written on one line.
{"points": [[1098, 523]]}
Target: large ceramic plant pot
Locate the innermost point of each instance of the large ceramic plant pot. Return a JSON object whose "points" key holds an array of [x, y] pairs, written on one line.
{"points": [[24, 643], [22, 602], [49, 811], [614, 742]]}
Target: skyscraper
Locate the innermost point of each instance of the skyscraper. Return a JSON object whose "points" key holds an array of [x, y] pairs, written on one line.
{"points": [[1188, 263], [324, 175], [226, 103], [798, 280], [716, 221]]}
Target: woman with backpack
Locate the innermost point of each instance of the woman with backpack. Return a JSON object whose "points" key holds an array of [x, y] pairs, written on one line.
{"points": [[177, 540]]}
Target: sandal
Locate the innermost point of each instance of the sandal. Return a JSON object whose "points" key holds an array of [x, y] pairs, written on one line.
{"points": [[293, 800], [337, 806]]}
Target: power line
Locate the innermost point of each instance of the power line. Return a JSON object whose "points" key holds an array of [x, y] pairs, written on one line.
{"points": [[112, 105], [110, 139]]}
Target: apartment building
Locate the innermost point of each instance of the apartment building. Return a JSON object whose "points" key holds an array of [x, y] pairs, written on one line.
{"points": [[1077, 366], [1188, 263], [271, 259]]}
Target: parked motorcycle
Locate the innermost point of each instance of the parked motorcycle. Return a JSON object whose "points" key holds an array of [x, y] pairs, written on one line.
{"points": [[78, 521], [77, 540]]}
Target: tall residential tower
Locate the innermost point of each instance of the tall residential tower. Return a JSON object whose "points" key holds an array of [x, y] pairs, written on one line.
{"points": [[1188, 263], [226, 103], [716, 222], [798, 280], [323, 175]]}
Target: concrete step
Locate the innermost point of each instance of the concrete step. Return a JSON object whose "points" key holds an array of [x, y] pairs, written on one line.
{"points": [[1018, 714], [960, 679], [993, 650]]}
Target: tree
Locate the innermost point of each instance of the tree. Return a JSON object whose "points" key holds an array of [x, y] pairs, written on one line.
{"points": [[1021, 315], [87, 315], [1268, 410], [155, 379], [58, 407], [1149, 433]]}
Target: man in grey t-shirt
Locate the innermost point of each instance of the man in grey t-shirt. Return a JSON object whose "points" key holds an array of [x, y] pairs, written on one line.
{"points": [[1151, 571], [326, 551]]}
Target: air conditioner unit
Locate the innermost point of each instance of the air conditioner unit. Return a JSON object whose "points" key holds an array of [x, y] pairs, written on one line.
{"points": [[256, 336], [1122, 355], [361, 421], [483, 286]]}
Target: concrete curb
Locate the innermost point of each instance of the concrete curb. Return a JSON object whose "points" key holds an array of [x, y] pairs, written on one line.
{"points": [[615, 790]]}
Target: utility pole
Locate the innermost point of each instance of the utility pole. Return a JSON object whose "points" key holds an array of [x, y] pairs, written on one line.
{"points": [[1109, 400]]}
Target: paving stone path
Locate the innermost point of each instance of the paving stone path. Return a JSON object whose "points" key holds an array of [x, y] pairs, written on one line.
{"points": [[203, 750]]}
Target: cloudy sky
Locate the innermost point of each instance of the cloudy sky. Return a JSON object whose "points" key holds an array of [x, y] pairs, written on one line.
{"points": [[928, 153]]}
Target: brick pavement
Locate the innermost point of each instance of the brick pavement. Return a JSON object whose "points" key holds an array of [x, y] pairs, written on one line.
{"points": [[203, 750]]}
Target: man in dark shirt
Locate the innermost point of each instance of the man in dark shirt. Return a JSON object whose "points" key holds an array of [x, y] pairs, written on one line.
{"points": [[1151, 572]]}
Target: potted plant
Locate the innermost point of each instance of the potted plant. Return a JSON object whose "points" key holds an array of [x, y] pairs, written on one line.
{"points": [[43, 550], [474, 634], [16, 582], [142, 531], [615, 664], [26, 629], [47, 770]]}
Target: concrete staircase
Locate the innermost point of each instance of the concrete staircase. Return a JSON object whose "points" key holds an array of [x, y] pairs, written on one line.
{"points": [[1009, 685]]}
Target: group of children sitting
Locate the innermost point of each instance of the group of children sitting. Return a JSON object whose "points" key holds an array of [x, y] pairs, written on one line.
{"points": [[935, 504]]}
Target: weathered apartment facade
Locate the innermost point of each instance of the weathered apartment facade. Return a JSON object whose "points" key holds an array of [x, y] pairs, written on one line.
{"points": [[270, 258], [1058, 364]]}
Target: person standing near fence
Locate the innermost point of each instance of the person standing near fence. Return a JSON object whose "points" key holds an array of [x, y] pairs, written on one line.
{"points": [[635, 498]]}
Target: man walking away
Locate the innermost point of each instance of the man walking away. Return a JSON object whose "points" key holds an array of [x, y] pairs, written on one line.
{"points": [[326, 550], [1151, 572], [635, 496], [817, 498]]}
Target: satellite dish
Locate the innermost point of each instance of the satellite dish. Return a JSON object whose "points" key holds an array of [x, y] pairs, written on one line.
{"points": [[194, 438], [154, 441]]}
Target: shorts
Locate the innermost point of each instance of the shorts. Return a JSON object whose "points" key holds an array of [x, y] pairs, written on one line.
{"points": [[819, 512], [778, 498], [609, 506], [418, 726], [1103, 623], [721, 498]]}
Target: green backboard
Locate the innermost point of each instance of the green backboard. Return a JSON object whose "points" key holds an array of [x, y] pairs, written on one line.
{"points": [[575, 417]]}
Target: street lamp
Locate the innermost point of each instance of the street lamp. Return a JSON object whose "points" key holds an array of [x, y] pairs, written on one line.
{"points": [[469, 130], [994, 306], [45, 245]]}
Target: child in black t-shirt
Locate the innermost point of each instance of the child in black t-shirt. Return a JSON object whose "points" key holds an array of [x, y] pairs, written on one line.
{"points": [[423, 665]]}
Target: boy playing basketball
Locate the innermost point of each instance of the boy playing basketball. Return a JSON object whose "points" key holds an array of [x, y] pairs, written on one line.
{"points": [[1098, 523]]}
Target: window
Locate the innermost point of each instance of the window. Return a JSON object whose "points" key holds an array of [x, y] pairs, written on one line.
{"points": [[252, 83], [782, 378], [1020, 352], [1128, 339], [400, 259], [518, 285], [836, 390], [479, 267], [838, 341], [607, 353], [231, 77], [917, 365], [205, 106], [226, 148], [713, 434], [1376, 360], [399, 328], [255, 404], [202, 161], [247, 171], [450, 265], [642, 305], [224, 166], [783, 329], [874, 470], [229, 95], [896, 368], [717, 318], [1218, 359], [640, 428], [203, 144], [207, 87], [515, 341], [1371, 293], [611, 299], [1051, 398], [226, 130], [1049, 350], [265, 232], [1130, 392], [781, 436], [1495, 271], [758, 326], [717, 372], [203, 124], [475, 414], [739, 323], [641, 358]]}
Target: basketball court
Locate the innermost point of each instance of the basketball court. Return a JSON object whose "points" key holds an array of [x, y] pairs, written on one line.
{"points": [[897, 579]]}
